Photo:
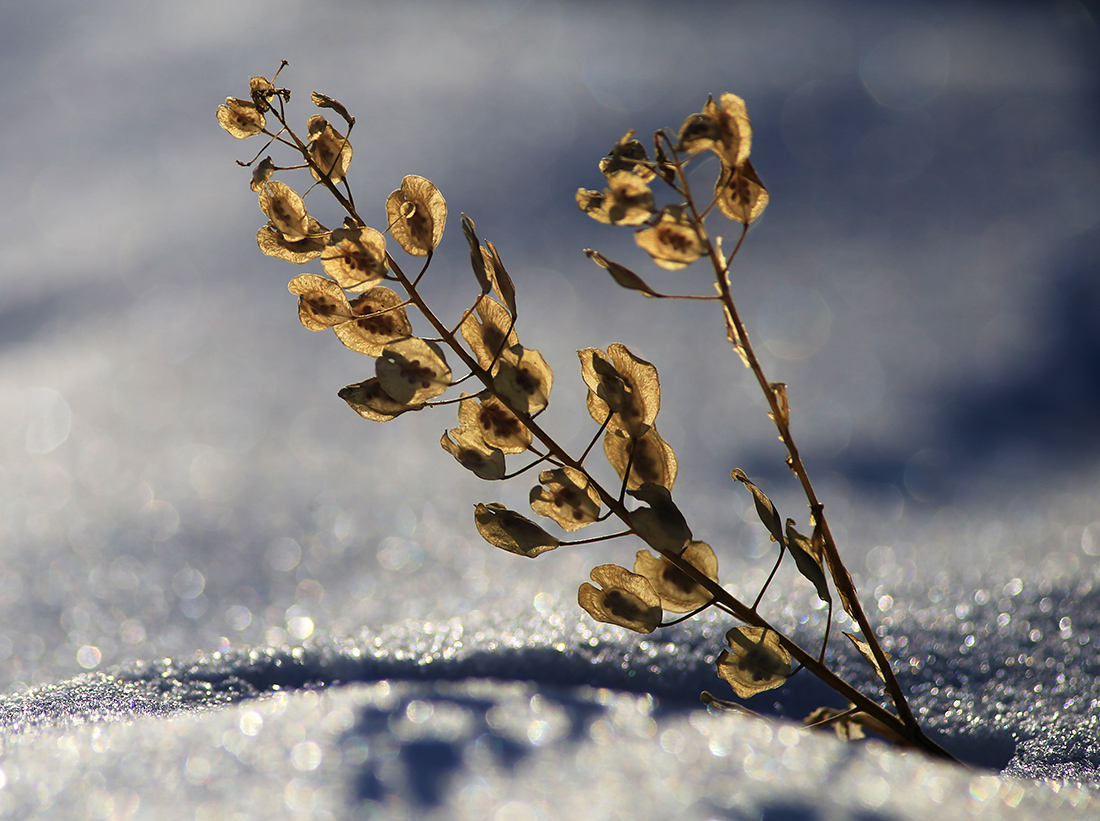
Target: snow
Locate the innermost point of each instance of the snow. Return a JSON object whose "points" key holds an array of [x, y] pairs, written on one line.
{"points": [[223, 595]]}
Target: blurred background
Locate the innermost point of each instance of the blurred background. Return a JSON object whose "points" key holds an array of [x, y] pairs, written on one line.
{"points": [[177, 472]]}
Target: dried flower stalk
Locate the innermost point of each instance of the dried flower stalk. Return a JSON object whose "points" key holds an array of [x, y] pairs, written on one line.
{"points": [[364, 295]]}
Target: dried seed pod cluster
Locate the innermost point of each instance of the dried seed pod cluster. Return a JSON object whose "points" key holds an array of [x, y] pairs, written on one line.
{"points": [[363, 294]]}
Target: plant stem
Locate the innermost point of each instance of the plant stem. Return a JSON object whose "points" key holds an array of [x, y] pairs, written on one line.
{"points": [[739, 337]]}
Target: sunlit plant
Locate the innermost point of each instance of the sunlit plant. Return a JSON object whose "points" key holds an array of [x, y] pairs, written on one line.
{"points": [[364, 295]]}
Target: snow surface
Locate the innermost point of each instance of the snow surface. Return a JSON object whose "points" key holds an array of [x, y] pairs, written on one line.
{"points": [[223, 595]]}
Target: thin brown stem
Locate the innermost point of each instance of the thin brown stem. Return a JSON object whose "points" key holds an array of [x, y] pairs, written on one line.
{"points": [[840, 575]]}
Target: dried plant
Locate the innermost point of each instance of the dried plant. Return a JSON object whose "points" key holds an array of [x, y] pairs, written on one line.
{"points": [[500, 416]]}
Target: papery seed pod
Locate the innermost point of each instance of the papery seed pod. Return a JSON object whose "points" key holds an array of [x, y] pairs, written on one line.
{"points": [[627, 200], [661, 525], [261, 174], [469, 447], [640, 391], [329, 149], [379, 318], [285, 209], [261, 90], [413, 370], [510, 531], [678, 591], [651, 459], [740, 194], [321, 302], [735, 141], [627, 600], [524, 379], [499, 426], [489, 330], [628, 154], [241, 118], [355, 258], [604, 382], [674, 240], [272, 242], [755, 661], [698, 133], [592, 203], [371, 402], [565, 495], [417, 215], [722, 127]]}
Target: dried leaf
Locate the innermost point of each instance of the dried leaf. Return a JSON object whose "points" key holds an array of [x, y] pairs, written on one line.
{"points": [[734, 337], [621, 274], [842, 722], [755, 661], [412, 370], [865, 650], [780, 391], [764, 507], [565, 495], [324, 101], [417, 215], [665, 168], [626, 599], [817, 541], [510, 531], [809, 566], [842, 581], [502, 282], [477, 258], [710, 700], [679, 592]]}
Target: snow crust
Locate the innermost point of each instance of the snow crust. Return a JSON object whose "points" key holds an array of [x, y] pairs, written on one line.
{"points": [[223, 595]]}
